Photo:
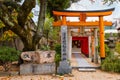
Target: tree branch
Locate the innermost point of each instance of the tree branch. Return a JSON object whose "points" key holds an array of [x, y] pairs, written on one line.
{"points": [[4, 16], [24, 11], [3, 29], [10, 24], [12, 4]]}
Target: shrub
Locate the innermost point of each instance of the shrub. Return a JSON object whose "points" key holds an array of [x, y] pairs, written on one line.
{"points": [[111, 62], [117, 48], [45, 47], [58, 48], [58, 54], [57, 59], [107, 50], [7, 56]]}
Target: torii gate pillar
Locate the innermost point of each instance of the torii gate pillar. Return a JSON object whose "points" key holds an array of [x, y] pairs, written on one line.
{"points": [[102, 46]]}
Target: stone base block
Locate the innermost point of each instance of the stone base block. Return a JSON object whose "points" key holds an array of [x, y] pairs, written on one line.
{"points": [[26, 69], [46, 68], [64, 67]]}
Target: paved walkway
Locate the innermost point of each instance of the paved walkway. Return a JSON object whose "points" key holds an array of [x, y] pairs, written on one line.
{"points": [[82, 62]]}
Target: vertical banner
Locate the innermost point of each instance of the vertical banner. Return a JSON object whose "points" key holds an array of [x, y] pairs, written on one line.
{"points": [[64, 42]]}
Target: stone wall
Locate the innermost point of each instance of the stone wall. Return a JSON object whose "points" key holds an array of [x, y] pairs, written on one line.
{"points": [[46, 68]]}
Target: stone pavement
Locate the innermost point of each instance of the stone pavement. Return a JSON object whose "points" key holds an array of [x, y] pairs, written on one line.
{"points": [[82, 62]]}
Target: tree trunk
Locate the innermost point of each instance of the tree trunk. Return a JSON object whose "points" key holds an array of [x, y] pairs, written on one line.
{"points": [[39, 33]]}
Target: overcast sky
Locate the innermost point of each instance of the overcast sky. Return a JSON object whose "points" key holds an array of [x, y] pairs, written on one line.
{"points": [[87, 5], [98, 5]]}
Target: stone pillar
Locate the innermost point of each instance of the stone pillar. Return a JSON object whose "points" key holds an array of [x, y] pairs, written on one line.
{"points": [[64, 41], [64, 65], [96, 45], [69, 44], [89, 41]]}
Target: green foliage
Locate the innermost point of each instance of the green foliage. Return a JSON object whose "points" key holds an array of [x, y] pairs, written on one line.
{"points": [[8, 55], [58, 54], [45, 47], [111, 62], [108, 52], [75, 0], [54, 34], [58, 48], [19, 16], [107, 35], [48, 22], [117, 47], [13, 0], [57, 5], [48, 27], [1, 24], [7, 36], [110, 1], [50, 33], [57, 59]]}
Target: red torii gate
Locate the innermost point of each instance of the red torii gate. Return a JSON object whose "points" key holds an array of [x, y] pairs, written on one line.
{"points": [[82, 22]]}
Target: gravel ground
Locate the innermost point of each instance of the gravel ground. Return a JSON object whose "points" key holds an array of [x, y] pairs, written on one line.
{"points": [[76, 75]]}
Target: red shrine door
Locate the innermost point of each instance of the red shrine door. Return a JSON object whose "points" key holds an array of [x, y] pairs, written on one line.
{"points": [[83, 44]]}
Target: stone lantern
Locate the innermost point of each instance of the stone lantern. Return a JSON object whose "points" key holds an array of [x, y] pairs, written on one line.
{"points": [[111, 41]]}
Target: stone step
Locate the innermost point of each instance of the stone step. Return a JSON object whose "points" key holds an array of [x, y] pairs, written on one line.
{"points": [[77, 67], [86, 70]]}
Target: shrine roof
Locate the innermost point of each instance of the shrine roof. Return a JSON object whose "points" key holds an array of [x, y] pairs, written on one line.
{"points": [[89, 13], [104, 10]]}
